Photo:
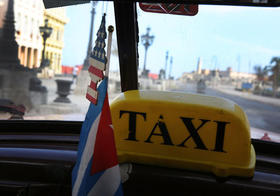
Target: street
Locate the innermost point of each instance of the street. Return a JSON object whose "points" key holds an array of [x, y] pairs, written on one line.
{"points": [[260, 115]]}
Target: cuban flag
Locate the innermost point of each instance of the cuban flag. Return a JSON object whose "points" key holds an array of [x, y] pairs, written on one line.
{"points": [[97, 171]]}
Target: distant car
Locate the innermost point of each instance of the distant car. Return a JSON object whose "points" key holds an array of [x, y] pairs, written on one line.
{"points": [[246, 86]]}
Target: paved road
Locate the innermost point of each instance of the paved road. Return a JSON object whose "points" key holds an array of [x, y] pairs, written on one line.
{"points": [[260, 115]]}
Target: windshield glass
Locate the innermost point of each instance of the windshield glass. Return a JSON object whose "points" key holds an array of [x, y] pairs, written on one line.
{"points": [[224, 51]]}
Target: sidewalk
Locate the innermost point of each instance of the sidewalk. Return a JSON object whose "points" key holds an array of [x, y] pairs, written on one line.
{"points": [[247, 95], [76, 110]]}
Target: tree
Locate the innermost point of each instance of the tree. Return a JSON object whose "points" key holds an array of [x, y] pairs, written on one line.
{"points": [[275, 69], [261, 73]]}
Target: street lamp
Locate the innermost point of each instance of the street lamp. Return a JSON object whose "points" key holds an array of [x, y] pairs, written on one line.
{"points": [[89, 49], [45, 31], [166, 60], [147, 41]]}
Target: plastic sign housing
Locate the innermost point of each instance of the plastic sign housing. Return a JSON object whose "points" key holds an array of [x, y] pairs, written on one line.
{"points": [[181, 130]]}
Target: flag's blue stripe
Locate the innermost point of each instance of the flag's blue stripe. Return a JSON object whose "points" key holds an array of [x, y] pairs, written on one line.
{"points": [[103, 60], [91, 116], [119, 192], [88, 180]]}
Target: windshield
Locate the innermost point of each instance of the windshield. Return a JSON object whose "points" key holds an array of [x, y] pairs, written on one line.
{"points": [[224, 51]]}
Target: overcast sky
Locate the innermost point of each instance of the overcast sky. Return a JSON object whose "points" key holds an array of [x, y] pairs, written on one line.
{"points": [[222, 36]]}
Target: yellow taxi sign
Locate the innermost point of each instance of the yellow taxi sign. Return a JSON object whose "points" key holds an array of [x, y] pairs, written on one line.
{"points": [[183, 131]]}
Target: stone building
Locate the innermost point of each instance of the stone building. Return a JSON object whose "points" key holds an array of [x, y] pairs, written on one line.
{"points": [[55, 43], [29, 16], [3, 8], [237, 75], [18, 83]]}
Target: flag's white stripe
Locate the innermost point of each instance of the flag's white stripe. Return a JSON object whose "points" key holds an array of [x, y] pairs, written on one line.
{"points": [[92, 92], [97, 64], [87, 154], [108, 183], [94, 77]]}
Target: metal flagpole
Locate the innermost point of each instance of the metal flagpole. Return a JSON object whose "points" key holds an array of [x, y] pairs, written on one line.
{"points": [[109, 44]]}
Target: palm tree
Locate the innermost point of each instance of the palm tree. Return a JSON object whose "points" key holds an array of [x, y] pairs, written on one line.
{"points": [[275, 69], [260, 72]]}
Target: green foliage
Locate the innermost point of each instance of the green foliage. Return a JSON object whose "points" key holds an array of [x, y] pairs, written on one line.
{"points": [[260, 72], [274, 69]]}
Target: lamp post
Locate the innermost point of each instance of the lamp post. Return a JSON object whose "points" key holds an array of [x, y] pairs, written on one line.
{"points": [[147, 41], [166, 60], [45, 31], [170, 67], [89, 49]]}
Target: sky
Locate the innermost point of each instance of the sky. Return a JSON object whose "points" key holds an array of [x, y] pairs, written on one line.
{"points": [[221, 36]]}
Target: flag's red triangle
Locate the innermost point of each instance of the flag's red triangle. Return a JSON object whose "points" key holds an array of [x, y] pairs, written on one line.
{"points": [[104, 155]]}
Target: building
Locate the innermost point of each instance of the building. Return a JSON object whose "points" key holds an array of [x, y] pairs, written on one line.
{"points": [[29, 16], [186, 77], [229, 73], [55, 43], [153, 76], [205, 71], [3, 8]]}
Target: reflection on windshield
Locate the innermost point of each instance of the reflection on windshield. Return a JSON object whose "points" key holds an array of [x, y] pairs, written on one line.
{"points": [[223, 51]]}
